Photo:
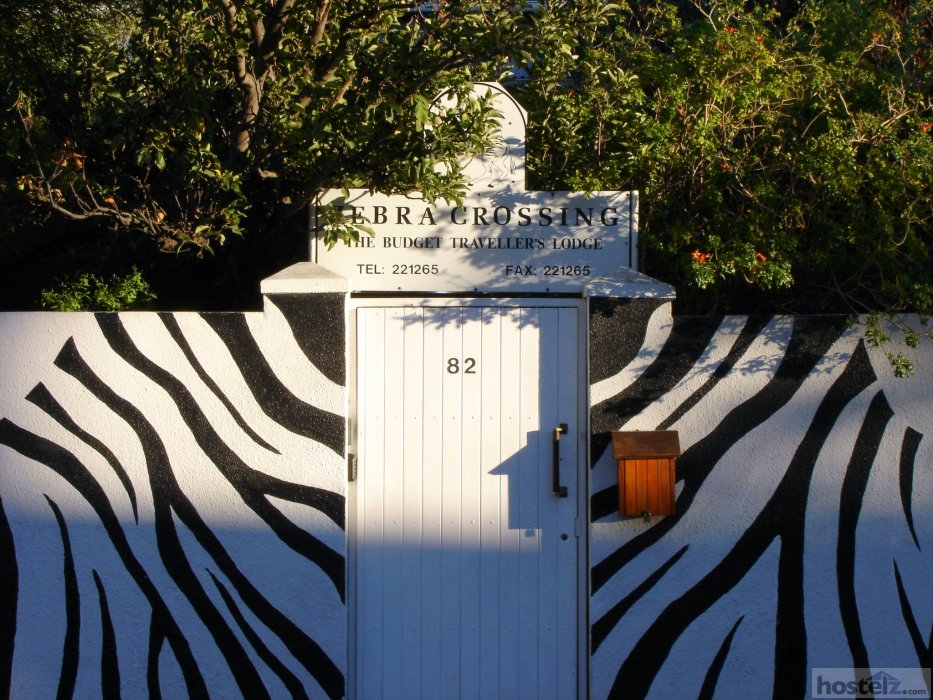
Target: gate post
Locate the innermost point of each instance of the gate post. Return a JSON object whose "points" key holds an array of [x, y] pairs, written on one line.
{"points": [[314, 304], [313, 301]]}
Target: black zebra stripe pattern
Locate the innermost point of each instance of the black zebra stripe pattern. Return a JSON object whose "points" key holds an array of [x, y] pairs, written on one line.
{"points": [[172, 504], [797, 541], [193, 468]]}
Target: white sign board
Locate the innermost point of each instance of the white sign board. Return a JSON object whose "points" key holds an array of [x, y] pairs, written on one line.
{"points": [[502, 238]]}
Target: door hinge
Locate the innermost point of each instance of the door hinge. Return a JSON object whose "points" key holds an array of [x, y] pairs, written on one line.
{"points": [[351, 467]]}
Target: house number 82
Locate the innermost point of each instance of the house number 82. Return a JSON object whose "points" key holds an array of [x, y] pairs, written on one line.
{"points": [[469, 365]]}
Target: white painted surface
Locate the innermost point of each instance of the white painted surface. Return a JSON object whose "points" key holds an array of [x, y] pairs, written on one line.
{"points": [[496, 241], [502, 165], [304, 278], [726, 637], [464, 585], [499, 238], [290, 582]]}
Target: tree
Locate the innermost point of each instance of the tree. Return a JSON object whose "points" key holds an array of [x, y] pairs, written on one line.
{"points": [[784, 151], [210, 120], [45, 46]]}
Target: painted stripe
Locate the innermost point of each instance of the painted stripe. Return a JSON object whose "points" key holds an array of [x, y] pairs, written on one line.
{"points": [[781, 518], [156, 641], [850, 507], [656, 335], [618, 329], [605, 624], [924, 650], [727, 348], [175, 331], [302, 378], [754, 325], [319, 329], [708, 689], [251, 484], [289, 679], [42, 397], [808, 344], [71, 645], [66, 465], [273, 397], [168, 499], [109, 663], [9, 603], [791, 669], [688, 340], [909, 447]]}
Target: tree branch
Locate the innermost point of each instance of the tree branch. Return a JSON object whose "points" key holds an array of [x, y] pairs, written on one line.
{"points": [[273, 27], [320, 26]]}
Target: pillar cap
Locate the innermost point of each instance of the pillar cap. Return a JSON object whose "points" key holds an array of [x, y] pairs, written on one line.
{"points": [[304, 278]]}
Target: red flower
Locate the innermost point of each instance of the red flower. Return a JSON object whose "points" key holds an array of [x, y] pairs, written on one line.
{"points": [[701, 258]]}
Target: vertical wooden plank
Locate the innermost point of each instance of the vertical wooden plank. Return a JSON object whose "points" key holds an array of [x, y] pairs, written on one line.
{"points": [[566, 572], [641, 485], [664, 487], [451, 487], [529, 478], [371, 552], [432, 594], [652, 484], [623, 491], [470, 376], [394, 578], [631, 491], [552, 412], [412, 403], [494, 487], [361, 556], [511, 440], [672, 489]]}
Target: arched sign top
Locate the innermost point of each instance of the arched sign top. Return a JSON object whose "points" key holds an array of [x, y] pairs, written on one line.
{"points": [[500, 238], [502, 165], [513, 114]]}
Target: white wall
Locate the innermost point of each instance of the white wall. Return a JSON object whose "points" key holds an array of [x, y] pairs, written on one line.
{"points": [[805, 507], [167, 524]]}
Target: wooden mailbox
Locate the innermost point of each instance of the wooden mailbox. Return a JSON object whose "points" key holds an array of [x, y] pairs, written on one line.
{"points": [[646, 471]]}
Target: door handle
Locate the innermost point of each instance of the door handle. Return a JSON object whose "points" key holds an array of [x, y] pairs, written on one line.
{"points": [[559, 491]]}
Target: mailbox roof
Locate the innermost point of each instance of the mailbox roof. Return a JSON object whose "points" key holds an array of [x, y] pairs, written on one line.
{"points": [[643, 444]]}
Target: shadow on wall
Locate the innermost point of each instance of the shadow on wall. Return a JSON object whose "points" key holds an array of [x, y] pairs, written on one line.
{"points": [[161, 612], [158, 508], [802, 507]]}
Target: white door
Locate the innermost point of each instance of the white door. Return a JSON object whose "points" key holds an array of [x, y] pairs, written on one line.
{"points": [[466, 561]]}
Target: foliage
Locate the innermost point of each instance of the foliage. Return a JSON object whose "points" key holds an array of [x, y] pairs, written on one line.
{"points": [[88, 292], [206, 126], [211, 118], [784, 150], [877, 334], [785, 160], [43, 47]]}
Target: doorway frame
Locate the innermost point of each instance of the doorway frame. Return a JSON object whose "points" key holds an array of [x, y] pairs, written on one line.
{"points": [[357, 301]]}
